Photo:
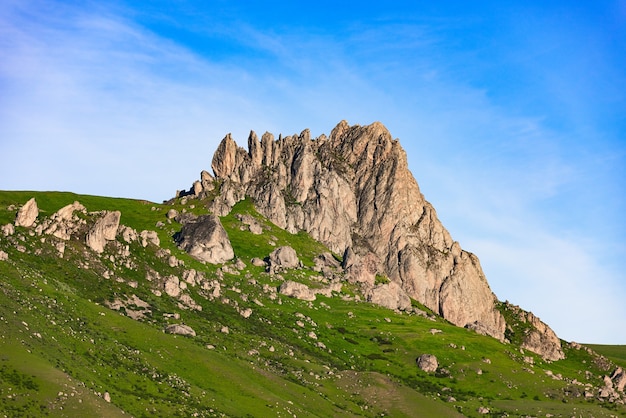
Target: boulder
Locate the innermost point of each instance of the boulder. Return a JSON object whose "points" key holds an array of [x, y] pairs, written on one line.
{"points": [[206, 240], [326, 261], [296, 290], [389, 295], [618, 379], [149, 237], [257, 262], [171, 214], [427, 363], [180, 329], [27, 214], [3, 256], [105, 229], [8, 229], [283, 257]]}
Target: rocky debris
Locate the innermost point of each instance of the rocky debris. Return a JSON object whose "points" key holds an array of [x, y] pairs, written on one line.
{"points": [[389, 295], [103, 230], [539, 337], [3, 256], [296, 290], [173, 286], [129, 235], [27, 214], [149, 237], [283, 258], [206, 240], [134, 307], [483, 410], [618, 378], [613, 385], [180, 329], [354, 190], [63, 223], [253, 225], [8, 230], [325, 262], [427, 363], [360, 268], [246, 313]]}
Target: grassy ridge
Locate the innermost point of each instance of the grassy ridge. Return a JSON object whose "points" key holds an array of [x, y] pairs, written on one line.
{"points": [[616, 353], [331, 357]]}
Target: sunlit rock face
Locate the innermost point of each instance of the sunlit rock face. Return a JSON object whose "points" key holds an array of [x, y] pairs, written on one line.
{"points": [[353, 191]]}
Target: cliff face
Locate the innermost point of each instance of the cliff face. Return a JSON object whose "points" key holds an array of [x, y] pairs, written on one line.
{"points": [[353, 191]]}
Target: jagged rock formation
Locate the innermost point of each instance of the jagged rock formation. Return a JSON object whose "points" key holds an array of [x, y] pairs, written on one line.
{"points": [[27, 214], [537, 336], [105, 229], [354, 192], [205, 239], [542, 339]]}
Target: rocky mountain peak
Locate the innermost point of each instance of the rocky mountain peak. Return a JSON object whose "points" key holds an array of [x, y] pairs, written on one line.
{"points": [[353, 191]]}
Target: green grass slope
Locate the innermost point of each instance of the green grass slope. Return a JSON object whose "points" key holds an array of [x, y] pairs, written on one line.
{"points": [[62, 348]]}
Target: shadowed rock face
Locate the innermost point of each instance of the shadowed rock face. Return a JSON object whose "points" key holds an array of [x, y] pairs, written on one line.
{"points": [[353, 191], [205, 239]]}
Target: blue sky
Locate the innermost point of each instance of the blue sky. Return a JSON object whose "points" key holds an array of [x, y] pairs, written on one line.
{"points": [[513, 116]]}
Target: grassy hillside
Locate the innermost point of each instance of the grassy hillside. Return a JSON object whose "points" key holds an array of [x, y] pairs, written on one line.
{"points": [[62, 348], [616, 353]]}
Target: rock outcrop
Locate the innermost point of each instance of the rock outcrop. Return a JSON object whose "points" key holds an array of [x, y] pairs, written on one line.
{"points": [[427, 363], [63, 223], [180, 329], [27, 214], [296, 290], [390, 295], [205, 239], [105, 229], [353, 191], [283, 258], [537, 336]]}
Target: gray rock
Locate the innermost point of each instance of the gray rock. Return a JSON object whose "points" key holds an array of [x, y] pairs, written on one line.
{"points": [[27, 214], [618, 378], [389, 295], [63, 223], [354, 189], [180, 329], [296, 290], [171, 214], [3, 256], [427, 363], [206, 240], [103, 230], [283, 258], [539, 338], [8, 229], [129, 235], [149, 237], [257, 262]]}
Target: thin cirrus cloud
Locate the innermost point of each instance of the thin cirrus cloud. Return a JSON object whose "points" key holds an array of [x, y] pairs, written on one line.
{"points": [[516, 151]]}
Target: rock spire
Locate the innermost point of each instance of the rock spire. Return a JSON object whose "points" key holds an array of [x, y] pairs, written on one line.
{"points": [[353, 191]]}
